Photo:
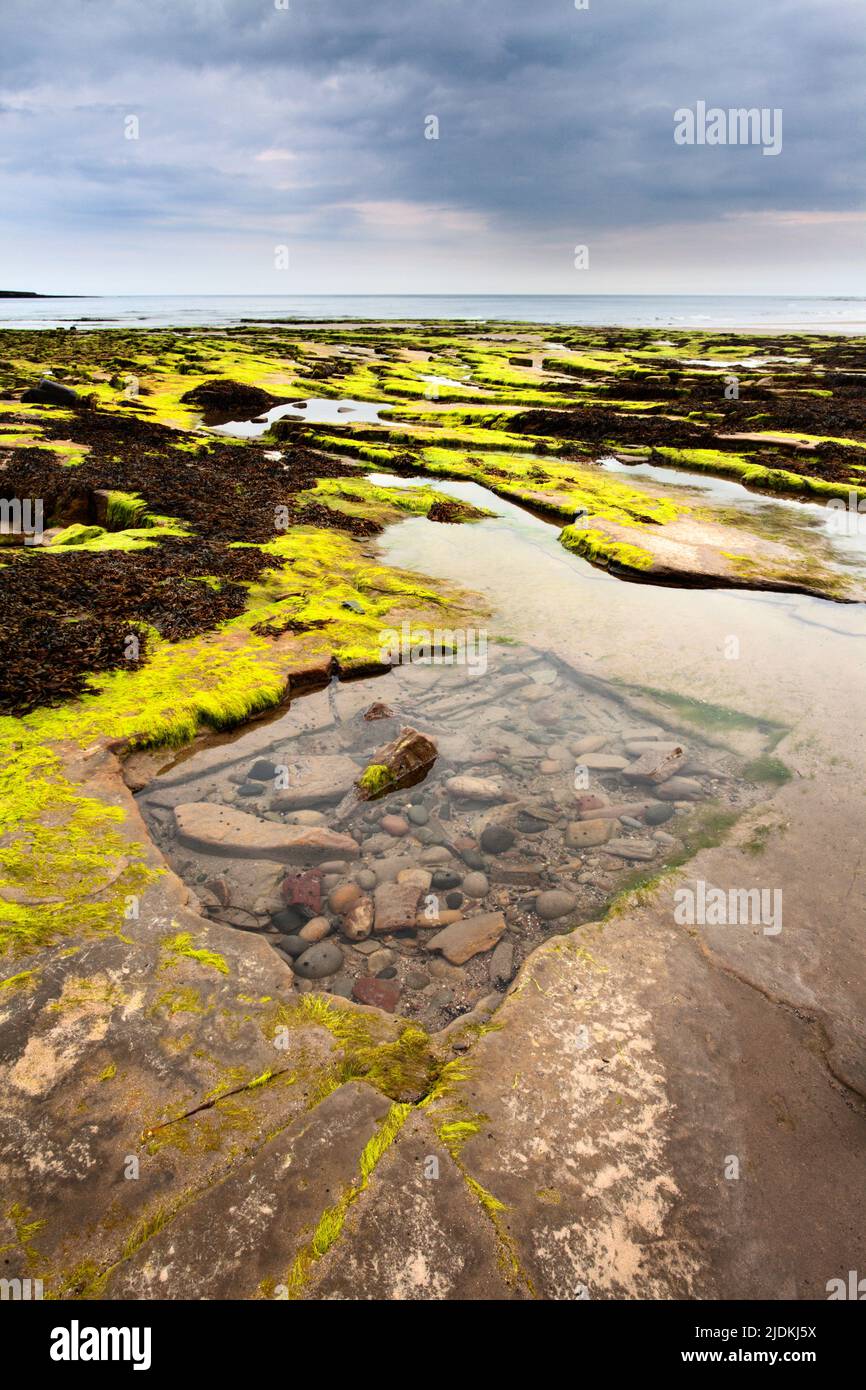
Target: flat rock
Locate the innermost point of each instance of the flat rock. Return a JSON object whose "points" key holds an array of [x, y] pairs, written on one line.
{"points": [[378, 994], [501, 968], [655, 766], [631, 849], [314, 781], [396, 906], [590, 744], [463, 940], [475, 789], [581, 834], [603, 762], [214, 829], [680, 789]]}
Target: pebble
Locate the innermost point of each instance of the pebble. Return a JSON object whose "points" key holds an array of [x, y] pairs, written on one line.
{"points": [[289, 920], [446, 878], [418, 815], [474, 789], [604, 762], [496, 839], [319, 961], [631, 822], [341, 984], [501, 968], [381, 994], [251, 789], [679, 788], [421, 878], [529, 825], [366, 879], [262, 771], [304, 818], [380, 959], [553, 903], [590, 744], [472, 859], [435, 854], [293, 945], [315, 930], [343, 898], [454, 899], [417, 979], [395, 825], [658, 814], [475, 885], [358, 921]]}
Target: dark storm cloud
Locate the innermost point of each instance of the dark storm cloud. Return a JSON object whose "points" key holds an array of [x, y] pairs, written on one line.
{"points": [[554, 122]]}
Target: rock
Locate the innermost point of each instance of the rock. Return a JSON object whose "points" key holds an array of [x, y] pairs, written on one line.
{"points": [[315, 780], [396, 906], [435, 854], [305, 818], [386, 870], [496, 839], [475, 789], [378, 994], [553, 903], [358, 921], [420, 878], [603, 762], [637, 748], [475, 885], [440, 997], [581, 834], [550, 768], [341, 984], [378, 710], [250, 789], [366, 879], [395, 825], [293, 946], [380, 959], [289, 920], [315, 930], [529, 825], [418, 815], [433, 916], [445, 878], [215, 829], [617, 809], [658, 814], [454, 900], [416, 979], [319, 961], [262, 771], [501, 968], [655, 767], [400, 763], [588, 802], [343, 899], [444, 971], [631, 849], [472, 859], [236, 917], [680, 789], [303, 891], [523, 872], [48, 392], [590, 744], [333, 866], [221, 890], [463, 940]]}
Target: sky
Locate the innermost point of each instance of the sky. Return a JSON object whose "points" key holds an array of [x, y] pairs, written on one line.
{"points": [[283, 147]]}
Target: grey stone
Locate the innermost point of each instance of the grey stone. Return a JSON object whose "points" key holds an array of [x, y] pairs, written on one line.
{"points": [[553, 903], [321, 960]]}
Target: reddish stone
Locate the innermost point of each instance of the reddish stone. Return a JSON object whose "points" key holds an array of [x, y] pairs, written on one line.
{"points": [[304, 890], [381, 994]]}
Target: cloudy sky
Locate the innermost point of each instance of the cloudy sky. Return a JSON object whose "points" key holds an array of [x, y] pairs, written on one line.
{"points": [[303, 127]]}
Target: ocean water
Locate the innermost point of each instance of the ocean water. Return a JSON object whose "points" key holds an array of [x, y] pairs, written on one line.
{"points": [[758, 313]]}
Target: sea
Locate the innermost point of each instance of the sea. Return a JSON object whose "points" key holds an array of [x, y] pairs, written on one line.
{"points": [[743, 313]]}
